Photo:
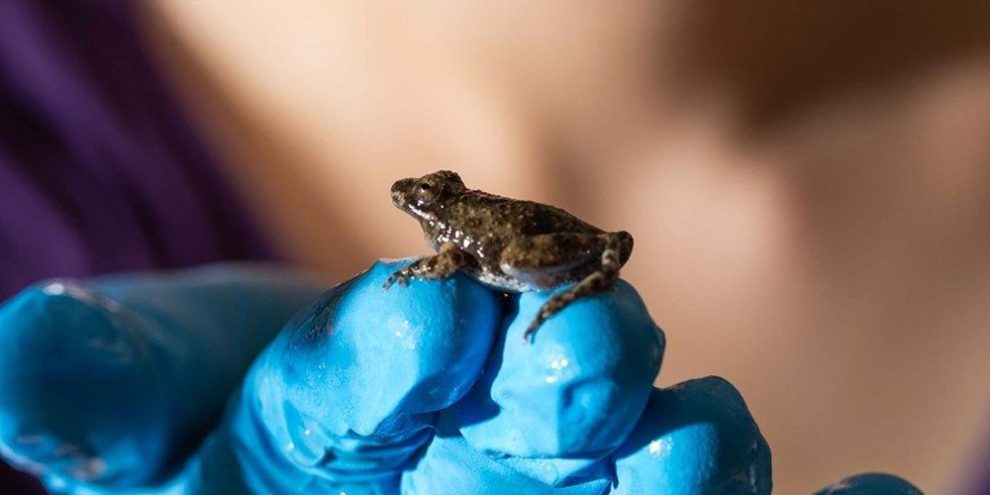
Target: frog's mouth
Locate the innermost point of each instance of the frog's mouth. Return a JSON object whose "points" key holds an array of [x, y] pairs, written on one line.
{"points": [[399, 192]]}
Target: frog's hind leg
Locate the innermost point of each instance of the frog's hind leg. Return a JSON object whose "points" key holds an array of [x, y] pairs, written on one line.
{"points": [[442, 265], [617, 248]]}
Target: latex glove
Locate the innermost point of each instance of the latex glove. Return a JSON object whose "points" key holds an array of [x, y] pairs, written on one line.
{"points": [[113, 386], [871, 484], [115, 381]]}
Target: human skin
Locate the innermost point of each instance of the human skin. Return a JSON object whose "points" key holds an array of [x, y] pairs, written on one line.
{"points": [[809, 180]]}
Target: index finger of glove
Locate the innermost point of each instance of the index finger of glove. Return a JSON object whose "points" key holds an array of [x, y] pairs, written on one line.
{"points": [[347, 391]]}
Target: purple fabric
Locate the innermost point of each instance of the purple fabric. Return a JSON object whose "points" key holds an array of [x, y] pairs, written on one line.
{"points": [[99, 170], [983, 486]]}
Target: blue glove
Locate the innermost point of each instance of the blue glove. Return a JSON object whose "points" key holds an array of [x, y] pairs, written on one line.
{"points": [[118, 386], [871, 484]]}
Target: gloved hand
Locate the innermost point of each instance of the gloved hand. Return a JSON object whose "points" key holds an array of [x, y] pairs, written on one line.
{"points": [[118, 386]]}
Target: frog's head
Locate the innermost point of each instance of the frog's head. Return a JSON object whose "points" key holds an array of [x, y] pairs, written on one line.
{"points": [[423, 197]]}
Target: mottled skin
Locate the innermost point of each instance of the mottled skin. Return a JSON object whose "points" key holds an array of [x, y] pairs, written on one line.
{"points": [[511, 245]]}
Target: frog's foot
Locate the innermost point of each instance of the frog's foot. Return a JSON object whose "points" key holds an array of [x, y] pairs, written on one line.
{"points": [[402, 277], [617, 248], [439, 266]]}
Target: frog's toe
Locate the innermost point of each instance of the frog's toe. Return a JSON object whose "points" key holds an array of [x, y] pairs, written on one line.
{"points": [[400, 276], [530, 332]]}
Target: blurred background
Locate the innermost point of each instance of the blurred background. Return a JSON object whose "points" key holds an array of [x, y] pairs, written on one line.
{"points": [[808, 182]]}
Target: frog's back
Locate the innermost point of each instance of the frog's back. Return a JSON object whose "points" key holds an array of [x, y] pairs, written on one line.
{"points": [[508, 218]]}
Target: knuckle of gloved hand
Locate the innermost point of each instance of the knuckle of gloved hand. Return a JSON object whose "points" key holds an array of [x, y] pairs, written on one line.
{"points": [[695, 438], [551, 410], [871, 484], [450, 466], [69, 372]]}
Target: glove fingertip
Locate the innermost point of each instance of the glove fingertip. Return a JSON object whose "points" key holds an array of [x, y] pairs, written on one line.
{"points": [[695, 438], [871, 484]]}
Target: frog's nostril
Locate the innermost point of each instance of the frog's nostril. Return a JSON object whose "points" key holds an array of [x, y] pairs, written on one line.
{"points": [[398, 189]]}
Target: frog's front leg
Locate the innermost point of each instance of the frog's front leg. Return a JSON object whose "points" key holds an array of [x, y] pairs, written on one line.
{"points": [[549, 257], [449, 259]]}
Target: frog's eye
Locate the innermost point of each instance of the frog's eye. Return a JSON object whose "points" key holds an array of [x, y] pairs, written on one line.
{"points": [[425, 192]]}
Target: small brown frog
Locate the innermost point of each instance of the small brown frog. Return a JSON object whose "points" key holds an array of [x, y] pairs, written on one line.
{"points": [[508, 244]]}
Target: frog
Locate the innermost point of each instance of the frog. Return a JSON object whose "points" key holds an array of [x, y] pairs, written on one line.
{"points": [[507, 244]]}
